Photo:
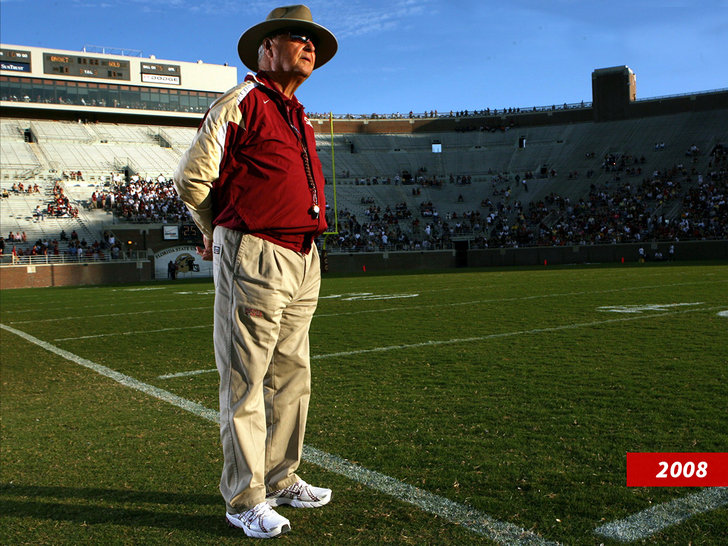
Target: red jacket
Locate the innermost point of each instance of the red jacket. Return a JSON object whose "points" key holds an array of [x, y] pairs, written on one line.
{"points": [[245, 169]]}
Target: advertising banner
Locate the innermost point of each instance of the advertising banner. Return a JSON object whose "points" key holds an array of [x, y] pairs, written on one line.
{"points": [[180, 262]]}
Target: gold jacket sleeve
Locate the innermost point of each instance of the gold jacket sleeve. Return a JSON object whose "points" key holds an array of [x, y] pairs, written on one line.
{"points": [[200, 165]]}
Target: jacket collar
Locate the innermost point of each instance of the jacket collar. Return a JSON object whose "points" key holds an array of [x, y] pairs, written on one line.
{"points": [[262, 78]]}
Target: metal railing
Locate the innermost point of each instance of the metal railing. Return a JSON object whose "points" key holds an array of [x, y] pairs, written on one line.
{"points": [[486, 112], [723, 90], [67, 259], [370, 249], [476, 243]]}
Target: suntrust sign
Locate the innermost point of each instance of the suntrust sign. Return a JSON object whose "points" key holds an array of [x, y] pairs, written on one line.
{"points": [[14, 60]]}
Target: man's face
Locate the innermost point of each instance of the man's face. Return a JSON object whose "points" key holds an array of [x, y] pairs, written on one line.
{"points": [[293, 52]]}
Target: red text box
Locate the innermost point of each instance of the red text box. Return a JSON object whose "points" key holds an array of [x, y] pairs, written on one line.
{"points": [[677, 469]]}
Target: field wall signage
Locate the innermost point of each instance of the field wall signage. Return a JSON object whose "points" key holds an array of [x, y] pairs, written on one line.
{"points": [[188, 263]]}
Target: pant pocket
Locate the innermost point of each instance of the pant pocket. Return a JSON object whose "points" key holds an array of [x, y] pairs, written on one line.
{"points": [[257, 262]]}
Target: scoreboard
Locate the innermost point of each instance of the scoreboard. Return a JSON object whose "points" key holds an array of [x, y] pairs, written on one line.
{"points": [[58, 64], [98, 66], [190, 232], [63, 64], [161, 73], [15, 60]]}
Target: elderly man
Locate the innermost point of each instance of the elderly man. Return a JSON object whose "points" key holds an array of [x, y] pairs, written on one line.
{"points": [[254, 185]]}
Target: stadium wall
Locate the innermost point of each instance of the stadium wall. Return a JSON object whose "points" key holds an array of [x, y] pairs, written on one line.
{"points": [[591, 254], [41, 276], [447, 124], [661, 106], [506, 257], [698, 102], [119, 273]]}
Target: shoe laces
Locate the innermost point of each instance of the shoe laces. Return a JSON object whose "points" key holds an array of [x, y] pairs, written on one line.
{"points": [[294, 490], [297, 488], [257, 513]]}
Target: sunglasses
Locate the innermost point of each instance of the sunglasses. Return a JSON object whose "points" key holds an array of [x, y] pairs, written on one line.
{"points": [[300, 36]]}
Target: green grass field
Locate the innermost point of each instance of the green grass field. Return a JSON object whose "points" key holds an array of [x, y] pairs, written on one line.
{"points": [[513, 393]]}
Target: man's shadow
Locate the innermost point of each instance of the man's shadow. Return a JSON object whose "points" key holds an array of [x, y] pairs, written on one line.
{"points": [[119, 507]]}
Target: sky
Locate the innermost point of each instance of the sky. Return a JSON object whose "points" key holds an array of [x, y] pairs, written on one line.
{"points": [[418, 55]]}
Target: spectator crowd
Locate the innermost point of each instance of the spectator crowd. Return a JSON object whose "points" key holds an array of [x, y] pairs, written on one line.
{"points": [[672, 204], [142, 200], [630, 208]]}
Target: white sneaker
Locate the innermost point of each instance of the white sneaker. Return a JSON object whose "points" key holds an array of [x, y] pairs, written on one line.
{"points": [[261, 521], [300, 495]]}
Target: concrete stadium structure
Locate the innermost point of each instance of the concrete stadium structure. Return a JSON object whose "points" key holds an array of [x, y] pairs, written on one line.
{"points": [[425, 190]]}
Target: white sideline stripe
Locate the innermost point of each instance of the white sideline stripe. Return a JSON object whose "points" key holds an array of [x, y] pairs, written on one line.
{"points": [[465, 340], [648, 522], [161, 394], [503, 533]]}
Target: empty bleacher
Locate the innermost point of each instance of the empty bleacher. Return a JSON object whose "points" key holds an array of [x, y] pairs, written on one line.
{"points": [[47, 131], [18, 155], [558, 157], [123, 134]]}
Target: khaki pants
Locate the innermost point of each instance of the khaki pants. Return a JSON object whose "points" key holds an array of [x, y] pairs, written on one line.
{"points": [[265, 297]]}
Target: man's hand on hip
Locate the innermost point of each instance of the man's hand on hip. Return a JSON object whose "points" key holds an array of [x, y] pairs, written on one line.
{"points": [[205, 252]]}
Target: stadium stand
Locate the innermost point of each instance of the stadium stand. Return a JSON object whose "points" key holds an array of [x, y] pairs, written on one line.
{"points": [[508, 174], [629, 172]]}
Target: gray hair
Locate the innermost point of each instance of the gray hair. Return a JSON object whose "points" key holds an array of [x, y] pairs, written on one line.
{"points": [[261, 52], [261, 48]]}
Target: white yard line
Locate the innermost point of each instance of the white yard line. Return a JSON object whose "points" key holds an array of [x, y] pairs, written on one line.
{"points": [[519, 298], [186, 374], [91, 317], [389, 309], [467, 340], [506, 334], [43, 300], [137, 333], [414, 307], [635, 527], [501, 532], [653, 520], [638, 526]]}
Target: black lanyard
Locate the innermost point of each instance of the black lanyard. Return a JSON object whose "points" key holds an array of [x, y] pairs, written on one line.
{"points": [[315, 209]]}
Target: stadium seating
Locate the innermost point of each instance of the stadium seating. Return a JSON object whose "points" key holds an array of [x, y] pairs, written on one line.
{"points": [[566, 161]]}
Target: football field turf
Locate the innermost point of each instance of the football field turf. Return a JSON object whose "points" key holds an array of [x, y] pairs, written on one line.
{"points": [[489, 407]]}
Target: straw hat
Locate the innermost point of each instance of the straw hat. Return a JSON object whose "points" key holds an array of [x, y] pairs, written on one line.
{"points": [[299, 17]]}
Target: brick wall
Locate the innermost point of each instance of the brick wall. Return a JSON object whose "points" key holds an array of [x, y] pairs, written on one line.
{"points": [[38, 276]]}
